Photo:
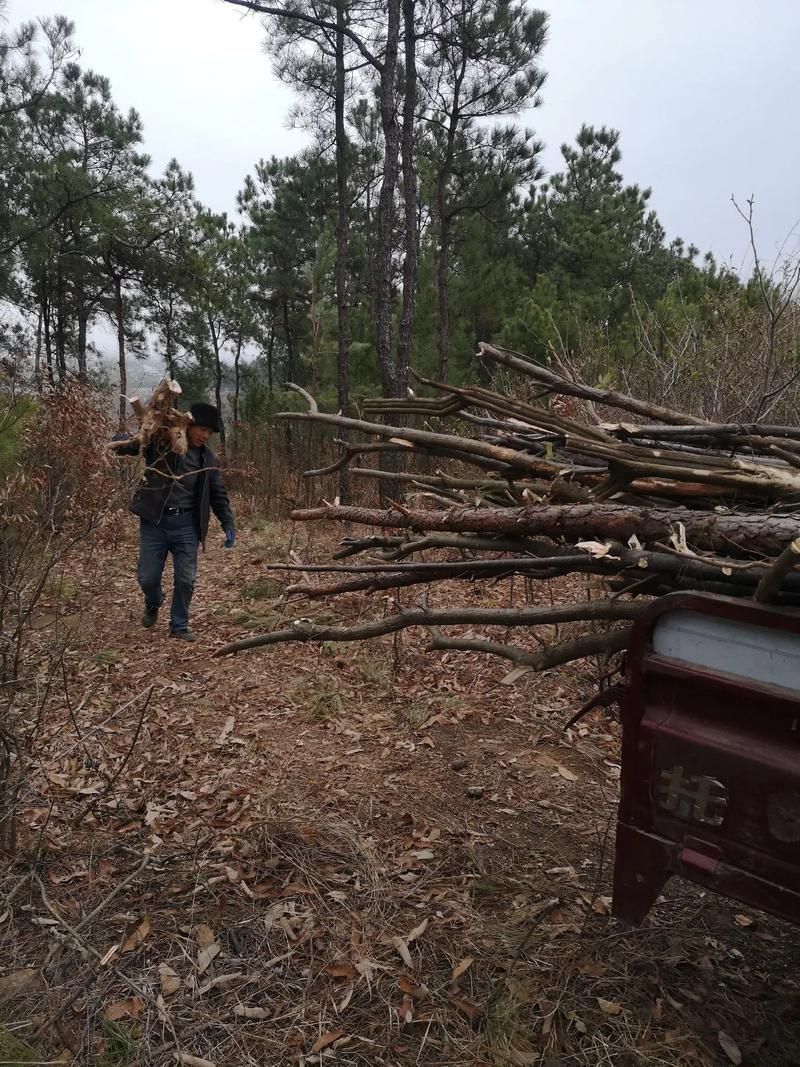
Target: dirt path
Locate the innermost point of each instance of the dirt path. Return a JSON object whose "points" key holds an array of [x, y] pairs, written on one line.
{"points": [[362, 855]]}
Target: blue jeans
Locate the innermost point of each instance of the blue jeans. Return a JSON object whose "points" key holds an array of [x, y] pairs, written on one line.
{"points": [[175, 534]]}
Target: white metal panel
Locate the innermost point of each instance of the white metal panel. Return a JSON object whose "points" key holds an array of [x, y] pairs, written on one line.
{"points": [[741, 649]]}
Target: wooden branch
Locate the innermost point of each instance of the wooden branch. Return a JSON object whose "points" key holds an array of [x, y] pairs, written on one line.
{"points": [[351, 450], [375, 583], [590, 645], [636, 461], [157, 419], [463, 445], [309, 399], [559, 562], [704, 431], [301, 631], [493, 488], [468, 543], [772, 581], [730, 534], [446, 569], [565, 387]]}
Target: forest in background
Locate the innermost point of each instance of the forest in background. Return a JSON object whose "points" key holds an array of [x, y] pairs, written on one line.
{"points": [[417, 223]]}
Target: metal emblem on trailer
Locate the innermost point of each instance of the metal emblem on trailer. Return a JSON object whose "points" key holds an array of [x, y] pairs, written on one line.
{"points": [[695, 797]]}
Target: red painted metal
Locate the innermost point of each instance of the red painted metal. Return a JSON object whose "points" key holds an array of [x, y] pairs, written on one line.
{"points": [[710, 786]]}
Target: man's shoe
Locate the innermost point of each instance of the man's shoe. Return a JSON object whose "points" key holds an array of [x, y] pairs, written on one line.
{"points": [[149, 618], [182, 635]]}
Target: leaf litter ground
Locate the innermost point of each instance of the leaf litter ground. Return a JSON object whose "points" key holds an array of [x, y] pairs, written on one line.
{"points": [[346, 854]]}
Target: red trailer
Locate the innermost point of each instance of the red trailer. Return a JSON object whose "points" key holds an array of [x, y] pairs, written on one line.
{"points": [[710, 786]]}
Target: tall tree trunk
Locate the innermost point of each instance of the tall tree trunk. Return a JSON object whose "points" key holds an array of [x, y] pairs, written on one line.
{"points": [[407, 314], [386, 204], [342, 243], [236, 385], [48, 340], [38, 357], [119, 314], [370, 245], [82, 331], [61, 326], [212, 329], [445, 224], [270, 351], [290, 368], [170, 356], [442, 286]]}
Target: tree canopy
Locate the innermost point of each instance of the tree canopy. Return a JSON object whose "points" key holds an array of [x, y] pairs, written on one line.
{"points": [[417, 222]]}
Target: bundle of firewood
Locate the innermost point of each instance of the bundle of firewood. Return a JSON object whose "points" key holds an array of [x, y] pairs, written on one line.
{"points": [[158, 419], [662, 501]]}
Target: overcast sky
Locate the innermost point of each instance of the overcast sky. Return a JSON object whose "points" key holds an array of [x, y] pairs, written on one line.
{"points": [[704, 92]]}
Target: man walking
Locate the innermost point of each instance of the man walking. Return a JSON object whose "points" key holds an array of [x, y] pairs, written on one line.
{"points": [[174, 501]]}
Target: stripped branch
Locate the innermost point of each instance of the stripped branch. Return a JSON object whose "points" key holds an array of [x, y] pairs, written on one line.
{"points": [[591, 610]]}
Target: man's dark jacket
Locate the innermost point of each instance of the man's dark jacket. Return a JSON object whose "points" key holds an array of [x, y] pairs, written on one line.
{"points": [[161, 463]]}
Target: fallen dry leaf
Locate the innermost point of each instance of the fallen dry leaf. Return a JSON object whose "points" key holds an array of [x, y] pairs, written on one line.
{"points": [[402, 951], [418, 992], [124, 1009], [193, 1061], [462, 967], [139, 934], [206, 955], [327, 1039], [243, 1012], [729, 1047], [743, 920], [222, 981], [341, 970], [565, 772], [19, 982], [161, 1008], [579, 1024], [226, 730], [609, 1007], [418, 931], [170, 981], [468, 1008], [406, 1011], [204, 936], [521, 1058]]}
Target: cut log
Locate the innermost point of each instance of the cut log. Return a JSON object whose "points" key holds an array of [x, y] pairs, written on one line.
{"points": [[728, 533]]}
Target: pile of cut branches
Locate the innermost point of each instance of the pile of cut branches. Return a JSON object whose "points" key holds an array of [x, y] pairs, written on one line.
{"points": [[662, 501]]}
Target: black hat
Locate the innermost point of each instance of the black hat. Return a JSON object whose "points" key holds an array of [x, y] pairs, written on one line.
{"points": [[205, 415]]}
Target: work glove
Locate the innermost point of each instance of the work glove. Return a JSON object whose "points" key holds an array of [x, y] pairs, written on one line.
{"points": [[230, 537]]}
